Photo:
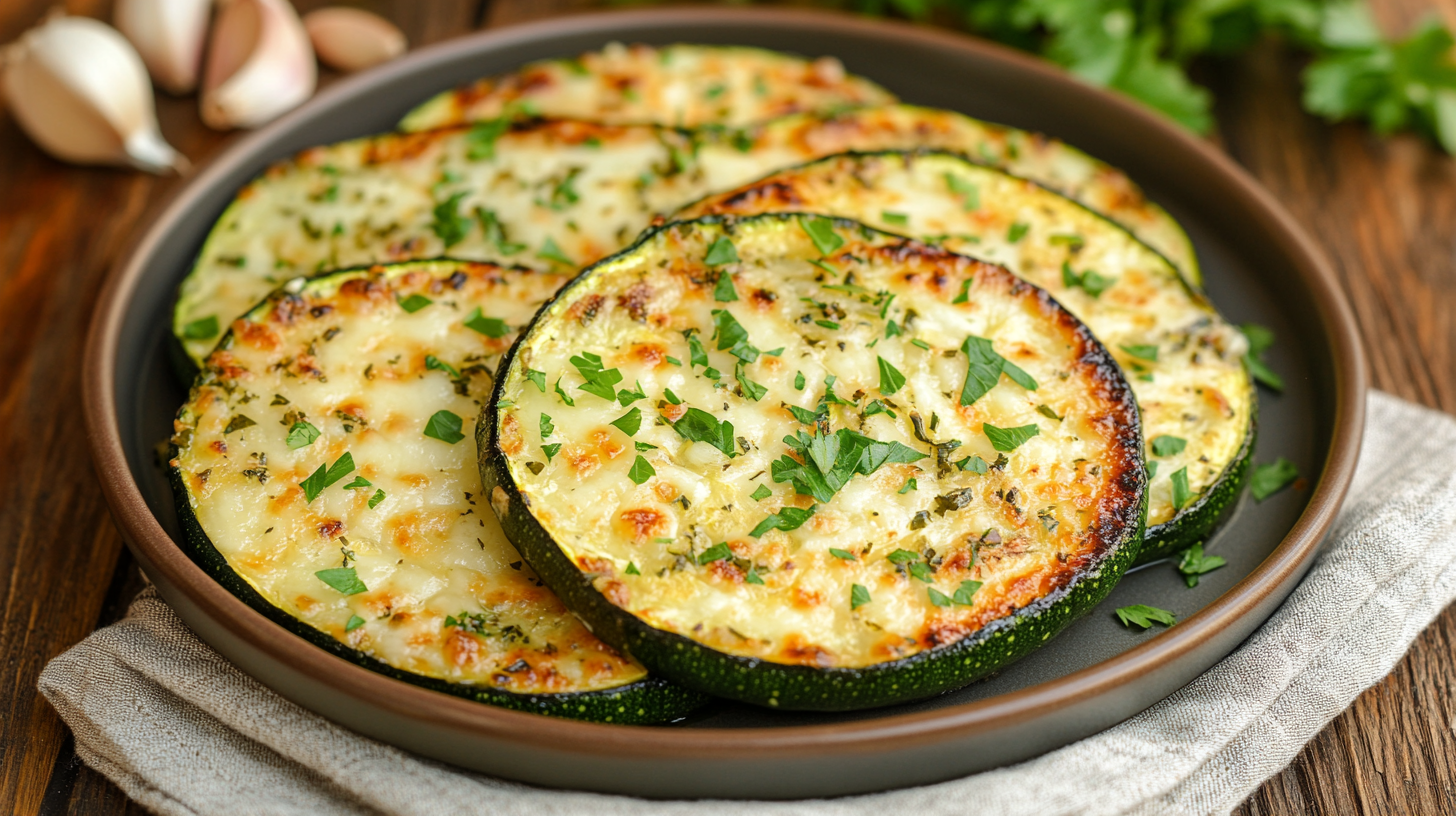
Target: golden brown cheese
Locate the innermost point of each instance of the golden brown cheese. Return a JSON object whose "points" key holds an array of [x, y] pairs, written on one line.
{"points": [[954, 521], [678, 85], [341, 367], [1195, 390]]}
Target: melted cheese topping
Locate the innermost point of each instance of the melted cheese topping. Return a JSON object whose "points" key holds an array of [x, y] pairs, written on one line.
{"points": [[680, 85], [447, 596], [555, 195], [641, 513], [1047, 161], [1196, 390]]}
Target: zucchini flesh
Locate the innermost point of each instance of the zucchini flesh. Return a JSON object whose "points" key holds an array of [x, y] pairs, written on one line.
{"points": [[1195, 394], [678, 85], [954, 549], [390, 559]]}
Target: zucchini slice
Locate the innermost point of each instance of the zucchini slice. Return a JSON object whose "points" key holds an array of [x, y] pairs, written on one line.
{"points": [[791, 472], [679, 85], [324, 475], [1184, 361], [1050, 162], [555, 195]]}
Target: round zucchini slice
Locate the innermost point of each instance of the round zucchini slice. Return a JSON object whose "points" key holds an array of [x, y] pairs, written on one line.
{"points": [[794, 461], [678, 85], [1185, 362], [1050, 162], [555, 195], [323, 474]]}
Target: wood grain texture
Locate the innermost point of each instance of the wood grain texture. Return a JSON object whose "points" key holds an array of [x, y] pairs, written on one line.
{"points": [[1384, 210]]}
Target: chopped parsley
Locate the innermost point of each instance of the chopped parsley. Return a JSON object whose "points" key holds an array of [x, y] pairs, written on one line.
{"points": [[821, 232], [599, 381], [937, 597], [561, 392], [1016, 232], [724, 292], [376, 499], [799, 381], [722, 251], [971, 193], [201, 328], [891, 380], [830, 461], [327, 475], [1181, 494], [732, 337], [786, 519], [551, 450], [973, 463], [434, 363], [547, 426], [984, 370], [628, 423], [495, 231], [760, 493], [444, 426], [632, 569], [898, 219], [354, 623], [1142, 352], [717, 552], [358, 483], [671, 397], [414, 303], [537, 377], [964, 295], [1272, 478], [449, 224], [966, 592], [1144, 616], [480, 140], [909, 486], [752, 577], [1009, 439], [858, 596], [642, 470], [1048, 412], [1194, 563], [488, 326], [1165, 445], [343, 580], [1260, 340], [843, 555], [751, 389], [698, 425], [627, 397], [1088, 281], [551, 252]]}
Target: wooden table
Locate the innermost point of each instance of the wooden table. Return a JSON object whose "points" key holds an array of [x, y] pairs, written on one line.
{"points": [[1385, 210]]}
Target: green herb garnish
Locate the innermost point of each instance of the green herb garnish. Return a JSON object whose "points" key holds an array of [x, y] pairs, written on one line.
{"points": [[1009, 439], [1165, 445], [642, 470], [1272, 478], [444, 426], [343, 580], [326, 475], [488, 326], [1194, 563], [1144, 616]]}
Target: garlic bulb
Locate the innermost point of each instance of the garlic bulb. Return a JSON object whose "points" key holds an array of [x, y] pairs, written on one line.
{"points": [[78, 89], [169, 35], [351, 39], [259, 64]]}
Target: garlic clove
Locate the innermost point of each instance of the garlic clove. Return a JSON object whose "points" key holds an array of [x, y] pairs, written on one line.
{"points": [[351, 39], [169, 35], [81, 92], [259, 64]]}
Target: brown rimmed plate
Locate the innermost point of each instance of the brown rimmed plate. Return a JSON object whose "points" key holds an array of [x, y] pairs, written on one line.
{"points": [[1259, 267]]}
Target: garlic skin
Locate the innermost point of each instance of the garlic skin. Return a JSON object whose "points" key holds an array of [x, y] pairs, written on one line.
{"points": [[349, 39], [259, 64], [81, 92], [169, 35]]}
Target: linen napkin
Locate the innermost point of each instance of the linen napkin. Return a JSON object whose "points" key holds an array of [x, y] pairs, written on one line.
{"points": [[184, 732]]}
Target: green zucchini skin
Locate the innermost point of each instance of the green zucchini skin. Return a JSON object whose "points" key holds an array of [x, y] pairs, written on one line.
{"points": [[653, 700], [1201, 519], [796, 687]]}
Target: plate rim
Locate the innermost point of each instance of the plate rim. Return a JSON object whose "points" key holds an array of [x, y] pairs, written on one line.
{"points": [[1291, 557]]}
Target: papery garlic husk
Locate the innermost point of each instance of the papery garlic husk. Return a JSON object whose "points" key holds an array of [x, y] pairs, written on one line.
{"points": [[259, 64], [350, 39], [79, 89], [169, 35]]}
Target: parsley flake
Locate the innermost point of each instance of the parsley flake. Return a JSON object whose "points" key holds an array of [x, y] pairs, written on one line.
{"points": [[551, 252], [717, 552], [722, 251], [642, 469], [343, 580], [537, 377], [376, 499], [301, 435], [354, 623], [760, 493], [724, 292], [786, 519], [891, 380], [843, 555], [628, 423], [414, 303], [1144, 616], [1181, 494], [821, 232], [488, 326], [444, 426], [1272, 478], [201, 329], [1142, 352], [1194, 563], [327, 475], [698, 425], [1009, 439], [858, 596], [1165, 445]]}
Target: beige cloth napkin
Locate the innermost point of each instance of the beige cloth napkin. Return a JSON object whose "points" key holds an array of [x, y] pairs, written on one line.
{"points": [[184, 732]]}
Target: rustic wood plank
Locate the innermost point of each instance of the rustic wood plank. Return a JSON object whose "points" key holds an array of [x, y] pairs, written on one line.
{"points": [[1385, 211]]}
